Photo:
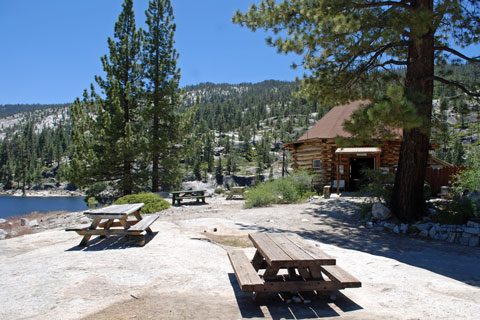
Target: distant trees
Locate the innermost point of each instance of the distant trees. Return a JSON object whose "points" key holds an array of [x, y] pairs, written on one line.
{"points": [[28, 156]]}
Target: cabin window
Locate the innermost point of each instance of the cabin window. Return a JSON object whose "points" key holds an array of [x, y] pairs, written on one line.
{"points": [[317, 164]]}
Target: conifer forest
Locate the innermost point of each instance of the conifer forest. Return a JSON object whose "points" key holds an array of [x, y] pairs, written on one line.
{"points": [[136, 129]]}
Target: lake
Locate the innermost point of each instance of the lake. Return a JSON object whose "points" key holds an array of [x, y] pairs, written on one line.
{"points": [[17, 206]]}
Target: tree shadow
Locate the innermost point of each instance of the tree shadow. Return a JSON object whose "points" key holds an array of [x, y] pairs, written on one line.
{"points": [[113, 243], [346, 230], [337, 222], [275, 305]]}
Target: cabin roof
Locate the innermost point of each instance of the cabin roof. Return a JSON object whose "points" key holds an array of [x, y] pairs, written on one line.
{"points": [[331, 124]]}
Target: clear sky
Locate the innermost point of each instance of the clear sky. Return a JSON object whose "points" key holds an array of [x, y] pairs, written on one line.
{"points": [[51, 49]]}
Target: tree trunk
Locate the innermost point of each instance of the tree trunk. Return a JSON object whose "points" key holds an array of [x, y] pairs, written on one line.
{"points": [[155, 152], [408, 202]]}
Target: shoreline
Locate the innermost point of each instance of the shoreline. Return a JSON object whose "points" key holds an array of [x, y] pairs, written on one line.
{"points": [[42, 193]]}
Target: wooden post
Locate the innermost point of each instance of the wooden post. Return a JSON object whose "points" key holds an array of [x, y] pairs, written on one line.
{"points": [[339, 158]]}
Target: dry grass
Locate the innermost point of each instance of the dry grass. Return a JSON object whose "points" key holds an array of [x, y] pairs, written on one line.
{"points": [[230, 240]]}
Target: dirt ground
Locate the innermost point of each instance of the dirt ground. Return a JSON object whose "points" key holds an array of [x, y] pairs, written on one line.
{"points": [[183, 271]]}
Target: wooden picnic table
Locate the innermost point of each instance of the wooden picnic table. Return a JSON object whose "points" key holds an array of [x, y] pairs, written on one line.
{"points": [[198, 195], [114, 220], [285, 262], [235, 191]]}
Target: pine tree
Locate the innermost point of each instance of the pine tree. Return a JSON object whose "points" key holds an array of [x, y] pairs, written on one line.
{"points": [[345, 44], [162, 77], [107, 134], [219, 171]]}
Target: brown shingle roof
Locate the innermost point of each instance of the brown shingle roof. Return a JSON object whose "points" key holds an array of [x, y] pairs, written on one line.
{"points": [[330, 125]]}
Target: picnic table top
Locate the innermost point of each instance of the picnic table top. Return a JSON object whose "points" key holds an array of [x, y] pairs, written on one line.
{"points": [[188, 191], [116, 209], [288, 250]]}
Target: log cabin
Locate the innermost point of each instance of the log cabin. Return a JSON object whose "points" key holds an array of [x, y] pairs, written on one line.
{"points": [[317, 151]]}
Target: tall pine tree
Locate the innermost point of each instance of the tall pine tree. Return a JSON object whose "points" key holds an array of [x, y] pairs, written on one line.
{"points": [[107, 133], [159, 62], [346, 43]]}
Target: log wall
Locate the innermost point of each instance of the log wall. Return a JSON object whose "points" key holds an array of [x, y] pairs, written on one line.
{"points": [[324, 149]]}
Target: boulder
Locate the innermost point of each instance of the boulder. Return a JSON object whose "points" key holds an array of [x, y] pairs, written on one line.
{"points": [[432, 232], [23, 222], [474, 241], [33, 223], [472, 224], [451, 237], [3, 234], [472, 230], [404, 228], [423, 234], [396, 229], [381, 212], [423, 226]]}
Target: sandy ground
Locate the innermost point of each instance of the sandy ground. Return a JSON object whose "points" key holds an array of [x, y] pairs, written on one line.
{"points": [[183, 271]]}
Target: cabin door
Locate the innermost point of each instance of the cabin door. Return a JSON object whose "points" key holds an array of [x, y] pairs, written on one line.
{"points": [[357, 165]]}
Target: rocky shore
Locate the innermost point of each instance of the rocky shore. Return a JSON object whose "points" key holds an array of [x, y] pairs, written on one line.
{"points": [[38, 222]]}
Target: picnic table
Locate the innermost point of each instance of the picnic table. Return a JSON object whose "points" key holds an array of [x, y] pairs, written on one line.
{"points": [[178, 196], [114, 220], [235, 191], [285, 262]]}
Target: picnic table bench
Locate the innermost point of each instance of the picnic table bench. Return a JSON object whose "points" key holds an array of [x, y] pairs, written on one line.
{"points": [[114, 220], [178, 196], [290, 264], [235, 191]]}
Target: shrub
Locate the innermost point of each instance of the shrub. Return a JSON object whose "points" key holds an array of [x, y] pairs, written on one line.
{"points": [[302, 180], [284, 190], [219, 191], [468, 179], [260, 196], [153, 202], [458, 211]]}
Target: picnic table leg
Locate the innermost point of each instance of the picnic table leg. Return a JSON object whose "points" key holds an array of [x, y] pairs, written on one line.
{"points": [[107, 226], [257, 260], [87, 236], [315, 272]]}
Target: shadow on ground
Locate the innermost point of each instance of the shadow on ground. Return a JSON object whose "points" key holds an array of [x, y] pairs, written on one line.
{"points": [[112, 243], [275, 307], [337, 222]]}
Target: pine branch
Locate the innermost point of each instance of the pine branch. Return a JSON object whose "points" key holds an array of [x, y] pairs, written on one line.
{"points": [[456, 84], [458, 54], [391, 61], [379, 52], [383, 4]]}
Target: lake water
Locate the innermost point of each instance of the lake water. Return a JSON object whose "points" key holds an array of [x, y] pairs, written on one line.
{"points": [[17, 206]]}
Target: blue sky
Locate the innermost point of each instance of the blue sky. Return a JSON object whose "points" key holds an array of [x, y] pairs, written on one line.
{"points": [[51, 49]]}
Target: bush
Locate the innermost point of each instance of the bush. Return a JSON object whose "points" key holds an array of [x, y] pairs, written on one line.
{"points": [[284, 190], [153, 202], [458, 211], [260, 196]]}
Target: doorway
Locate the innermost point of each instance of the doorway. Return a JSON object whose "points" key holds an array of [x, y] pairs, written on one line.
{"points": [[357, 165]]}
